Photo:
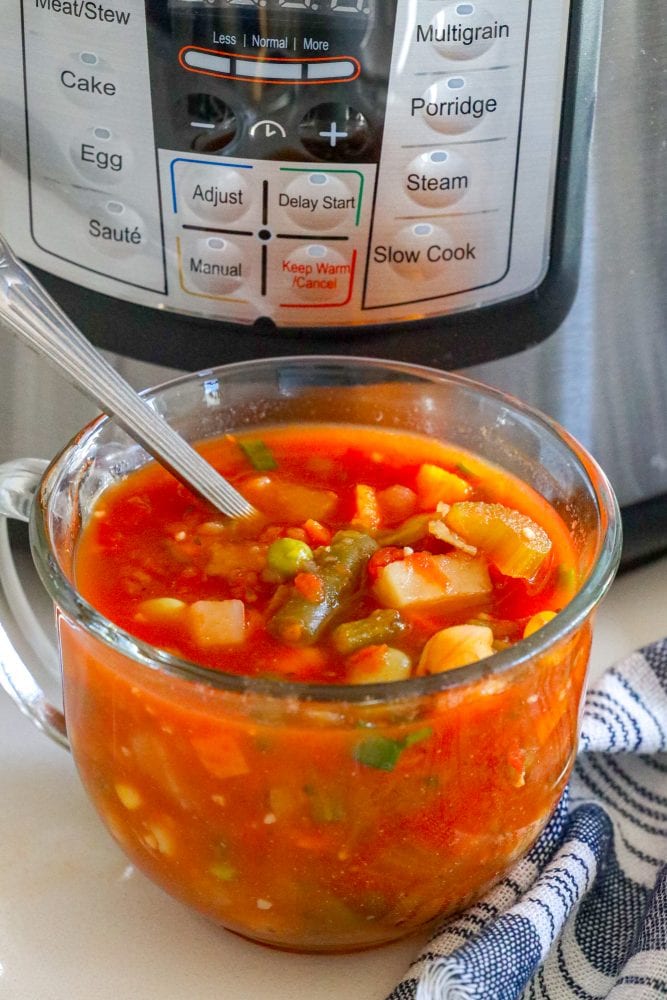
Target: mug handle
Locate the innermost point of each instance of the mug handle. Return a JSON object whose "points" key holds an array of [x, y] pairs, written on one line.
{"points": [[19, 482]]}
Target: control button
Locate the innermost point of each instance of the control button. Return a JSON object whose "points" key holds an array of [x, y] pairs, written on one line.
{"points": [[204, 61], [318, 274], [455, 104], [88, 81], [211, 124], [214, 192], [214, 265], [465, 31], [116, 230], [332, 69], [318, 200], [101, 156], [267, 128], [422, 252], [335, 132], [437, 178], [267, 69]]}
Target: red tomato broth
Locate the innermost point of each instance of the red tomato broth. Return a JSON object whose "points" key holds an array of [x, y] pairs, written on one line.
{"points": [[328, 826]]}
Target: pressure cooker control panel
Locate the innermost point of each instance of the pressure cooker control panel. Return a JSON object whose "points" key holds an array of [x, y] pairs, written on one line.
{"points": [[315, 162]]}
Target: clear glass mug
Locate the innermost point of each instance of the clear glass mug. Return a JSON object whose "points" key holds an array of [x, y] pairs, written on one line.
{"points": [[314, 850]]}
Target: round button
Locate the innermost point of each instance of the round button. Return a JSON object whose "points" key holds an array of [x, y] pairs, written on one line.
{"points": [[210, 123], [214, 265], [317, 273], [456, 104], [101, 156], [422, 252], [335, 132], [116, 230], [213, 192], [465, 31], [88, 81], [318, 200], [437, 178]]}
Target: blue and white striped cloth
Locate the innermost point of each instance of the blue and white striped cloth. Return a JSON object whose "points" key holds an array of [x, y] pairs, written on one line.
{"points": [[584, 915]]}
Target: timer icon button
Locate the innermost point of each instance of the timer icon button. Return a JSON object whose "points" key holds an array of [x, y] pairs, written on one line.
{"points": [[437, 178], [335, 132]]}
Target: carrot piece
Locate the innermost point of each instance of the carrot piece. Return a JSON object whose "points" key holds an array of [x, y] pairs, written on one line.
{"points": [[309, 586], [316, 532], [220, 754]]}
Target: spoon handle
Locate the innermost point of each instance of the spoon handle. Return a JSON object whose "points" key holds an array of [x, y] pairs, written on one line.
{"points": [[30, 311]]}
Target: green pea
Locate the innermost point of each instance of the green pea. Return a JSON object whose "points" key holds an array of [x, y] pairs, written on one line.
{"points": [[288, 556]]}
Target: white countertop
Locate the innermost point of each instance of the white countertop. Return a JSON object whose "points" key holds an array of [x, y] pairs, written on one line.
{"points": [[78, 923]]}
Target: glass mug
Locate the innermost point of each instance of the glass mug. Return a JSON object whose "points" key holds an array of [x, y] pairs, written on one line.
{"points": [[312, 850]]}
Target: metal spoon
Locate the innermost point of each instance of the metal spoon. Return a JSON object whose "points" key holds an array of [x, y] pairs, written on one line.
{"points": [[28, 309]]}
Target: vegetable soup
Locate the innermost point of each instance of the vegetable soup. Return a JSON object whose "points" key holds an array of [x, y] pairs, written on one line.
{"points": [[377, 556]]}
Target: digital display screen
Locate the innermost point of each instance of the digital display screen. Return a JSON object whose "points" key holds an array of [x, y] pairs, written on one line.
{"points": [[320, 6]]}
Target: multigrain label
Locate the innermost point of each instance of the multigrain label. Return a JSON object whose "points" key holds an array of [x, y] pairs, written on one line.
{"points": [[85, 10]]}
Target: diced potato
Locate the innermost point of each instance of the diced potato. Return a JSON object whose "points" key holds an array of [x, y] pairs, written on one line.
{"points": [[424, 578], [161, 609], [289, 502], [455, 647], [229, 558], [435, 485], [515, 543], [217, 623], [537, 621]]}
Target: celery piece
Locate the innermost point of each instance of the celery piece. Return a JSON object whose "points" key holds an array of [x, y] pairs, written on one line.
{"points": [[258, 454], [324, 807], [383, 753], [223, 871], [378, 752]]}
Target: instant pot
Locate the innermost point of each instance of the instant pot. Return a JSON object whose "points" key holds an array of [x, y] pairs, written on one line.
{"points": [[476, 186]]}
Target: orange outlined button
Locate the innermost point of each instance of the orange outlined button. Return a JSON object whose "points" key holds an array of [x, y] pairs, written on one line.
{"points": [[322, 69]]}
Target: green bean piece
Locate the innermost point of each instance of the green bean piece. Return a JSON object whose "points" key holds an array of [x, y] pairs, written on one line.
{"points": [[378, 628], [258, 454], [339, 566]]}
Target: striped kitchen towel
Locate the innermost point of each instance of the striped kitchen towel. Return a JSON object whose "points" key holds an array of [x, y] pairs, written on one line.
{"points": [[584, 915]]}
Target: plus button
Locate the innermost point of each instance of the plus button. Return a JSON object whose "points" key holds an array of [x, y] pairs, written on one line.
{"points": [[333, 135]]}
